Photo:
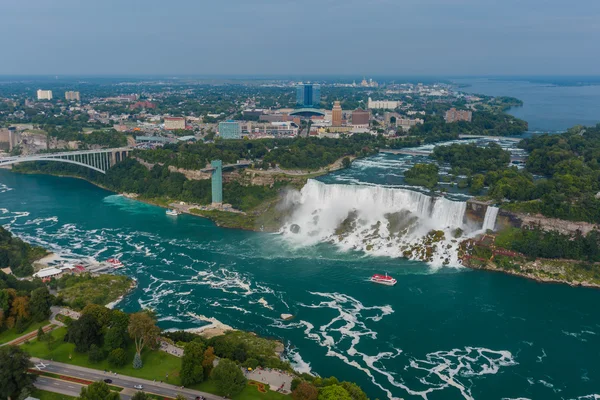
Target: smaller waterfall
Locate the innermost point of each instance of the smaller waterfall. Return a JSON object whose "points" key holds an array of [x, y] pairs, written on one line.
{"points": [[489, 222]]}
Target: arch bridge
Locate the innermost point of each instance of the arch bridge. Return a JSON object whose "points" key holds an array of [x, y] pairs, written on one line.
{"points": [[99, 160]]}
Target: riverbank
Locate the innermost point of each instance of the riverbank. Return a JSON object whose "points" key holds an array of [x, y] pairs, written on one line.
{"points": [[482, 254]]}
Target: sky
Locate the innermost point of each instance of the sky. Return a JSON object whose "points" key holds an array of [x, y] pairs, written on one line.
{"points": [[299, 37]]}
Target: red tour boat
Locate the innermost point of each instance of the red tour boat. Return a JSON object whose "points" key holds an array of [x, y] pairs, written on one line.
{"points": [[115, 263], [383, 279]]}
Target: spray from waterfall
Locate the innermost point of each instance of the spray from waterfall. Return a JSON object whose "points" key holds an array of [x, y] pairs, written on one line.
{"points": [[381, 221]]}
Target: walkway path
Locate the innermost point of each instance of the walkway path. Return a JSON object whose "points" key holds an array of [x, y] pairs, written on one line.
{"points": [[54, 323], [171, 349], [277, 380]]}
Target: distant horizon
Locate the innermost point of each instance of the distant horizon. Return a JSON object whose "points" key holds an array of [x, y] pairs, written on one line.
{"points": [[307, 38]]}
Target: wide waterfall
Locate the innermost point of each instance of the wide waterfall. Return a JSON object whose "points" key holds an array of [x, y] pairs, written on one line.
{"points": [[379, 220], [489, 222]]}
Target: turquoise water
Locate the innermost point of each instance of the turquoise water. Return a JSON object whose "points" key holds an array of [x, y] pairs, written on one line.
{"points": [[444, 333]]}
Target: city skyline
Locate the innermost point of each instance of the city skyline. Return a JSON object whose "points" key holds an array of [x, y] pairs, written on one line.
{"points": [[380, 37]]}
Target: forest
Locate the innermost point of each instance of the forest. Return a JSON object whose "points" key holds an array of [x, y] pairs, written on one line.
{"points": [[422, 175], [551, 244], [561, 178], [17, 254], [484, 123], [297, 153], [470, 158]]}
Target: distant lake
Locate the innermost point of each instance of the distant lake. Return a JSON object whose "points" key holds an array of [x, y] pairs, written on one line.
{"points": [[547, 107]]}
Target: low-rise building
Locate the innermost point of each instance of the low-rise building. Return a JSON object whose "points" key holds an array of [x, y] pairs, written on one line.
{"points": [[174, 123], [360, 118], [454, 115], [383, 104], [48, 272]]}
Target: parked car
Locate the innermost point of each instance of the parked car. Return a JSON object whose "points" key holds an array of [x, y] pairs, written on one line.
{"points": [[108, 380]]}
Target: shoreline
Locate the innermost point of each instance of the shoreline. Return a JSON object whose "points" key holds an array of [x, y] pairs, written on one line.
{"points": [[135, 197], [533, 277]]}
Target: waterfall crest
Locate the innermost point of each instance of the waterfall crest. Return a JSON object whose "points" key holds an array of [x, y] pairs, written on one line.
{"points": [[378, 220]]}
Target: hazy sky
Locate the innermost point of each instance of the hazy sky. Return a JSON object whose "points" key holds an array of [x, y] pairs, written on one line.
{"points": [[351, 37]]}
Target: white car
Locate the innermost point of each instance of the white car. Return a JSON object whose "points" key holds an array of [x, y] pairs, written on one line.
{"points": [[138, 387]]}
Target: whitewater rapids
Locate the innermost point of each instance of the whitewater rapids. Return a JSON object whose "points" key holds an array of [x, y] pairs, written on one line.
{"points": [[381, 221]]}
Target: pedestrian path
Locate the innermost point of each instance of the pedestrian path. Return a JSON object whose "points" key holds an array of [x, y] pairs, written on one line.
{"points": [[277, 380]]}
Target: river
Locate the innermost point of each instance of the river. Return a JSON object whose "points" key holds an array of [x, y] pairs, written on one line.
{"points": [[440, 333], [546, 107]]}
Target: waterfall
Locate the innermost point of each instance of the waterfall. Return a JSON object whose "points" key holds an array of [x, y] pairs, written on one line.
{"points": [[489, 222], [378, 220]]}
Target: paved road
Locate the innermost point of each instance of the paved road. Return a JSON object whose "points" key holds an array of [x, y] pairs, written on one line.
{"points": [[56, 386], [127, 382]]}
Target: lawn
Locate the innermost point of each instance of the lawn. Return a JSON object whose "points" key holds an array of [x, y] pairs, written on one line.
{"points": [[10, 334], [101, 289], [45, 395], [249, 393], [156, 363]]}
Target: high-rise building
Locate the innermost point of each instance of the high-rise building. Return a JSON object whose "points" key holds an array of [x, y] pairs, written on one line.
{"points": [[308, 95], [44, 94], [230, 130], [72, 96], [336, 114], [174, 123], [360, 118]]}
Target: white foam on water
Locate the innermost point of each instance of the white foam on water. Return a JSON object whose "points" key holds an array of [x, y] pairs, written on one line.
{"points": [[378, 220], [298, 363], [541, 358], [441, 370]]}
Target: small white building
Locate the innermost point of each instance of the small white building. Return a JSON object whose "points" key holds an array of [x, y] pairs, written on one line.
{"points": [[48, 272]]}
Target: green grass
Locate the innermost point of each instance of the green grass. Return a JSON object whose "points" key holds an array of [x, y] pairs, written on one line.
{"points": [[11, 334], [101, 289], [156, 363], [228, 219], [45, 395], [249, 393]]}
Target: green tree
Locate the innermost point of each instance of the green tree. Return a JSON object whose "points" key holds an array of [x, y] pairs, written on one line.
{"points": [[117, 358], [41, 336], [355, 392], [140, 396], [208, 359], [334, 392], [137, 361], [13, 373], [143, 330], [305, 391], [39, 304], [100, 313], [98, 391], [422, 175], [229, 378], [191, 364], [346, 162], [84, 332], [96, 354]]}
